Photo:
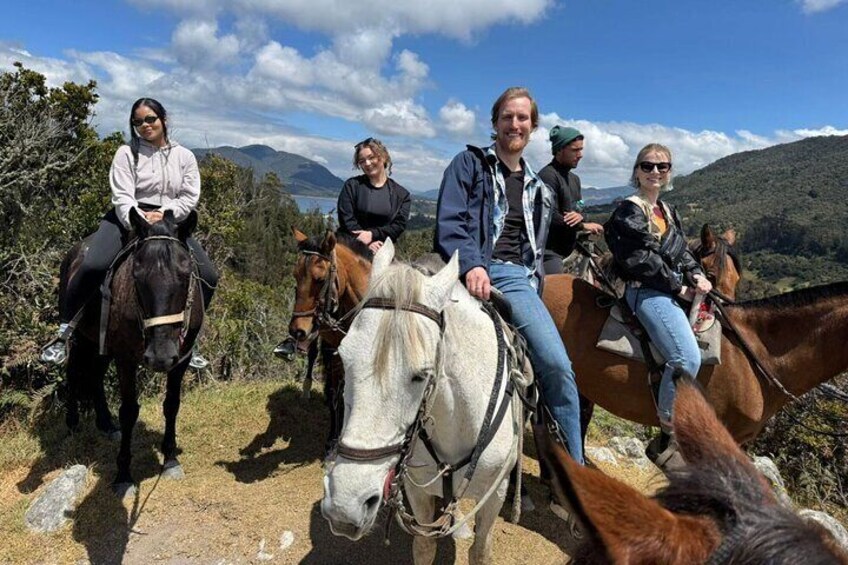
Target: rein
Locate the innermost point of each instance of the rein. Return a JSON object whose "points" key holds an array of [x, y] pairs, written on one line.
{"points": [[446, 523], [720, 300]]}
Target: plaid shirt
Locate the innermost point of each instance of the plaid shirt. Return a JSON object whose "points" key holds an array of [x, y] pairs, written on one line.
{"points": [[532, 184]]}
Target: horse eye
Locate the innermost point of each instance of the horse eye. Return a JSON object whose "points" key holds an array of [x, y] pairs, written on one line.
{"points": [[422, 375]]}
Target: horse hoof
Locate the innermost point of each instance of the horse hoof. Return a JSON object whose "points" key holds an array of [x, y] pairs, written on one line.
{"points": [[113, 434], [124, 490], [173, 470]]}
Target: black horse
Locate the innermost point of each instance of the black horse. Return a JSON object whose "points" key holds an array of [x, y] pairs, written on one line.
{"points": [[154, 315]]}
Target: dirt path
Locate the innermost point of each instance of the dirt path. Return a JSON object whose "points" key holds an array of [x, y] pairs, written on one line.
{"points": [[253, 482]]}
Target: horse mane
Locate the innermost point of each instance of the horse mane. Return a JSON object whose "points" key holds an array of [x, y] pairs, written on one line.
{"points": [[798, 298], [399, 335], [342, 238]]}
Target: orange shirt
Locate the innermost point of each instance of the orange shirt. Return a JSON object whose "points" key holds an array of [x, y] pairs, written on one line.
{"points": [[658, 219]]}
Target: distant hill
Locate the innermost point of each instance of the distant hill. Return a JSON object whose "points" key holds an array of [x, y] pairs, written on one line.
{"points": [[594, 196], [299, 175], [789, 204]]}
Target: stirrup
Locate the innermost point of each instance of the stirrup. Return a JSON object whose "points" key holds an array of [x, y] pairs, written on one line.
{"points": [[198, 361], [573, 527], [55, 352]]}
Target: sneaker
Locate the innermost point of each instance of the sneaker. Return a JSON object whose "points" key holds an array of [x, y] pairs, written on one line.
{"points": [[286, 349], [568, 518], [198, 361], [55, 352]]}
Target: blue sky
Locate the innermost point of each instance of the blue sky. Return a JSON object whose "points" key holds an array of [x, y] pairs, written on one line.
{"points": [[315, 76]]}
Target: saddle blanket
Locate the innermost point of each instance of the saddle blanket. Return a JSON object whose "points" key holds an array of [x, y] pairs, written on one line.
{"points": [[617, 337]]}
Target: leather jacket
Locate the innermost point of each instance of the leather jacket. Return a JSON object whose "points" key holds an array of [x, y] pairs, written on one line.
{"points": [[663, 263]]}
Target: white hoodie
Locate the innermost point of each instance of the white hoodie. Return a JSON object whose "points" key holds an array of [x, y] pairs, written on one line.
{"points": [[165, 177]]}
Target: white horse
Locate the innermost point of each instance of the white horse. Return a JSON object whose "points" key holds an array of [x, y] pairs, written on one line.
{"points": [[420, 360]]}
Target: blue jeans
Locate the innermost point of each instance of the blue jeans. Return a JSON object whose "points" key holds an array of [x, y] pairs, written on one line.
{"points": [[669, 330], [551, 364]]}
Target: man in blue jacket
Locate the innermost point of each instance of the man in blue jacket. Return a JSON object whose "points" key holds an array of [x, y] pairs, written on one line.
{"points": [[496, 212]]}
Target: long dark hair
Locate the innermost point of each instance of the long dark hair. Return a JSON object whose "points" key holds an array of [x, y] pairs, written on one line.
{"points": [[160, 112]]}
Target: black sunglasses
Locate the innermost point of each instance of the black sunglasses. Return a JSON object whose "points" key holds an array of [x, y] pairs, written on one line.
{"points": [[145, 120], [647, 166], [365, 141]]}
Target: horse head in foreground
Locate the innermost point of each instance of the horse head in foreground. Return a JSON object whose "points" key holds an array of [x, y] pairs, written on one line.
{"points": [[421, 358], [718, 509], [153, 316]]}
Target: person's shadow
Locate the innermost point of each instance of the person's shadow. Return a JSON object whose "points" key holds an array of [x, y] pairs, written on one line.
{"points": [[299, 422], [328, 549]]}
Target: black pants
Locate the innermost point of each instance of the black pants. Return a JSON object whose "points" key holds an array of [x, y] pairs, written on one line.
{"points": [[103, 247]]}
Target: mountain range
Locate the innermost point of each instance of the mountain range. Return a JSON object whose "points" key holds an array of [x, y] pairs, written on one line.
{"points": [[298, 174], [305, 177]]}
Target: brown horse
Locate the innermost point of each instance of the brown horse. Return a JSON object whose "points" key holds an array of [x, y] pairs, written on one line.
{"points": [[331, 277], [717, 509], [155, 314], [717, 255], [799, 337]]}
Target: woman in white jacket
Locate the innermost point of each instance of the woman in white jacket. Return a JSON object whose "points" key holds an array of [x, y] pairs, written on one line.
{"points": [[152, 174]]}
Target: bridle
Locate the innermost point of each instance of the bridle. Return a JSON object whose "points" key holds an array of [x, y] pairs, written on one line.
{"points": [[183, 317], [722, 250], [402, 448], [325, 311], [508, 360]]}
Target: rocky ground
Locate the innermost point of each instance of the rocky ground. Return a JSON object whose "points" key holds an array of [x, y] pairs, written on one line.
{"points": [[251, 454]]}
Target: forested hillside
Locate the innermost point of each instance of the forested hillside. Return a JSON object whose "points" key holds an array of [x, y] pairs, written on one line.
{"points": [[789, 204]]}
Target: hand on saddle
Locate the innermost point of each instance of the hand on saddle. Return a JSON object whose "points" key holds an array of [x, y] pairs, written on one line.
{"points": [[592, 228], [477, 282], [702, 285], [364, 236], [153, 216]]}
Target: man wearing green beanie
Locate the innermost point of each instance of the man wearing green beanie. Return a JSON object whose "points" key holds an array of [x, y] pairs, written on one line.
{"points": [[567, 149]]}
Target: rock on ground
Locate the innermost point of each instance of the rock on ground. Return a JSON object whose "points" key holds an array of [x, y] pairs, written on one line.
{"points": [[48, 512]]}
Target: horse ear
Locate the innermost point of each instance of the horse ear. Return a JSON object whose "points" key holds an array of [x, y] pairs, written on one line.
{"points": [[139, 223], [329, 243], [383, 258], [702, 439], [186, 227], [729, 236], [441, 284], [708, 241], [299, 236], [629, 526]]}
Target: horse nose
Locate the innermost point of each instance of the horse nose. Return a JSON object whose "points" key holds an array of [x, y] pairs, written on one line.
{"points": [[371, 503], [160, 363]]}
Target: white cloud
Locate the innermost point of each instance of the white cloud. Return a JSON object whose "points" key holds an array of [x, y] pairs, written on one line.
{"points": [[457, 120], [196, 45], [399, 118], [460, 19], [813, 6]]}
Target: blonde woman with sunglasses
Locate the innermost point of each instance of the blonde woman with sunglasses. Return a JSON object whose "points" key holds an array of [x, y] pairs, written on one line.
{"points": [[152, 175], [651, 254]]}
